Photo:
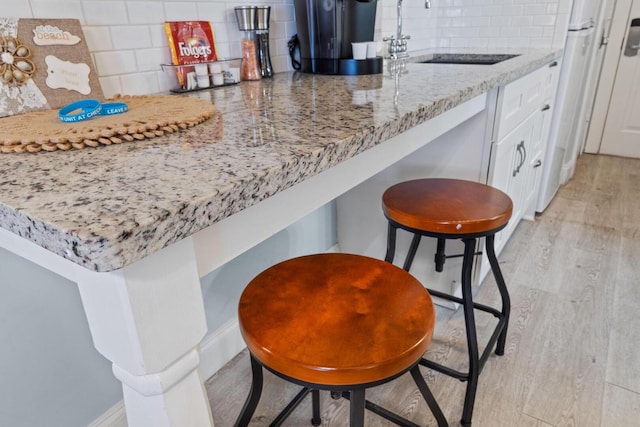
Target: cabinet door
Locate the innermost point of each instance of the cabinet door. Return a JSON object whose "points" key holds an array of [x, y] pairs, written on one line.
{"points": [[508, 174]]}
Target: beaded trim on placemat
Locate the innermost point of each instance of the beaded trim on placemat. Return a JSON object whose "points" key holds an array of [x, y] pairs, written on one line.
{"points": [[148, 117]]}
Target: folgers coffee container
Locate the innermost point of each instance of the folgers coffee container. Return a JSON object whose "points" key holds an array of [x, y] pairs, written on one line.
{"points": [[191, 42]]}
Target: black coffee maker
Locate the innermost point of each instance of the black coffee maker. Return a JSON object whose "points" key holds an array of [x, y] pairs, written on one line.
{"points": [[326, 29]]}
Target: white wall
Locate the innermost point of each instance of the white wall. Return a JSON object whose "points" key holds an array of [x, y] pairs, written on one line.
{"points": [[128, 42]]}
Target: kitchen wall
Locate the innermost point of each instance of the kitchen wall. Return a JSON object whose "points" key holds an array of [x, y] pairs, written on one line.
{"points": [[128, 42], [498, 23]]}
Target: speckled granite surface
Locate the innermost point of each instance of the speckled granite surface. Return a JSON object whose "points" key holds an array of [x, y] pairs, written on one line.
{"points": [[108, 207]]}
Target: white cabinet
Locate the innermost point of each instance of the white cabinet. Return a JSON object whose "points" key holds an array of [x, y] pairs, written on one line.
{"points": [[520, 132]]}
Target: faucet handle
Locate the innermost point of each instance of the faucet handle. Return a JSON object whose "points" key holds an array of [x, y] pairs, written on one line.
{"points": [[403, 37], [388, 39]]}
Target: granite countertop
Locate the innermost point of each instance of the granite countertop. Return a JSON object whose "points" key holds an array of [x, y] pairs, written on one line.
{"points": [[108, 207]]}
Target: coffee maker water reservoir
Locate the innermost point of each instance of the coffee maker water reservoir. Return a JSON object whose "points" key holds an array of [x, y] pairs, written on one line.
{"points": [[326, 29]]}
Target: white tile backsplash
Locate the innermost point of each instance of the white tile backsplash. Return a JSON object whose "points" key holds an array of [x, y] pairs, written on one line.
{"points": [[105, 12], [145, 12], [131, 37], [128, 41], [56, 9]]}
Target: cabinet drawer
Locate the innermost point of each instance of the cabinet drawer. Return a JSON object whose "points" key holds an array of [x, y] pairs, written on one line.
{"points": [[522, 97]]}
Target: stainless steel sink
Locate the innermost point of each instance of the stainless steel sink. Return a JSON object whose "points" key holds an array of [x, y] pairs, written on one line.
{"points": [[467, 58]]}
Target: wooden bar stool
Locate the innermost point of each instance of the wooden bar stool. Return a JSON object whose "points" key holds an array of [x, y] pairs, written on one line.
{"points": [[454, 209], [336, 322]]}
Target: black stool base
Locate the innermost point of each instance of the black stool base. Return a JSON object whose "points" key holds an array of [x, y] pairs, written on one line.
{"points": [[499, 335], [355, 395]]}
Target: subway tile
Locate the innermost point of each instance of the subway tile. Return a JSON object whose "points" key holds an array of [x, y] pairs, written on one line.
{"points": [[140, 83], [115, 62], [500, 21], [521, 21], [150, 59], [16, 9], [98, 38], [535, 9], [158, 35], [512, 10], [105, 13], [544, 20], [532, 32], [212, 11], [180, 11], [166, 81], [57, 9], [223, 31], [145, 12], [509, 32], [131, 37], [110, 86]]}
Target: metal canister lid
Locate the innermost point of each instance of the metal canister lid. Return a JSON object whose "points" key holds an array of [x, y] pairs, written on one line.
{"points": [[262, 17], [246, 16]]}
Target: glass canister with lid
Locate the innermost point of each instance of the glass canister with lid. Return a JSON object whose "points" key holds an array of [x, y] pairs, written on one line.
{"points": [[249, 67]]}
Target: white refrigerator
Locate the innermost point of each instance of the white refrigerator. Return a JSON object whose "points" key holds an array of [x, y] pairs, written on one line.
{"points": [[564, 145]]}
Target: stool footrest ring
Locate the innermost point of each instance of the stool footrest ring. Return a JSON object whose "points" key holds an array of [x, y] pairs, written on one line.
{"points": [[291, 406], [384, 413], [476, 305], [502, 323]]}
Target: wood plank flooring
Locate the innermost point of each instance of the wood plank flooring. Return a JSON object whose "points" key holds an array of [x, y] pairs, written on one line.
{"points": [[573, 351]]}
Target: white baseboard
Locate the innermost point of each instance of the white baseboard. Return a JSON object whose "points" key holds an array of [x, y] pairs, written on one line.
{"points": [[216, 350], [114, 417]]}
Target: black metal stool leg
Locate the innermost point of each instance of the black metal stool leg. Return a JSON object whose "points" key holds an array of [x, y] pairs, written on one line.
{"points": [[356, 410], [428, 396], [472, 340], [254, 395], [415, 242], [504, 293], [391, 243], [315, 404]]}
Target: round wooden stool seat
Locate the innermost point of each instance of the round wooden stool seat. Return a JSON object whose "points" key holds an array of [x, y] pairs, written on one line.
{"points": [[336, 319], [447, 206]]}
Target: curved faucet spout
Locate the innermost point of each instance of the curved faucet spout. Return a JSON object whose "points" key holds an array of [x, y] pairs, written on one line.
{"points": [[399, 29]]}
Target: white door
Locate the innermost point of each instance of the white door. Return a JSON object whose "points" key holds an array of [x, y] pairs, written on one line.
{"points": [[622, 128]]}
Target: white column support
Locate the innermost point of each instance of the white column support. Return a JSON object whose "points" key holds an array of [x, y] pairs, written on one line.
{"points": [[148, 319]]}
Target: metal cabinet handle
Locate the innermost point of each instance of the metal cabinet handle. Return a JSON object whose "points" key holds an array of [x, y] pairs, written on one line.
{"points": [[553, 64], [523, 155], [537, 164], [517, 168], [546, 107]]}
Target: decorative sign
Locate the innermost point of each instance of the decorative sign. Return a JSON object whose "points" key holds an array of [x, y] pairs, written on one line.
{"points": [[67, 75], [48, 35], [44, 64]]}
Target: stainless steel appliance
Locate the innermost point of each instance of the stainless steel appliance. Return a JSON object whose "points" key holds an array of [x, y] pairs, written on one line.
{"points": [[326, 29]]}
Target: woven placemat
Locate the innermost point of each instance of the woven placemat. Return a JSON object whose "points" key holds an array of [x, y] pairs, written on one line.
{"points": [[148, 117]]}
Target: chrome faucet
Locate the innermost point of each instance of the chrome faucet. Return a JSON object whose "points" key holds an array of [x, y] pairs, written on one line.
{"points": [[398, 43]]}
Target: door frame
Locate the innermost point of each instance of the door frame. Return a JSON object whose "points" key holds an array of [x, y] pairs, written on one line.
{"points": [[617, 37]]}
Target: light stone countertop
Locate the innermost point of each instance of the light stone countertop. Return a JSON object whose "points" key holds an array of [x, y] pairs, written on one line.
{"points": [[108, 207]]}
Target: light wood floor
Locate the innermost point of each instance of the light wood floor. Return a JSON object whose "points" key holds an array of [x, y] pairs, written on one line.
{"points": [[573, 352]]}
